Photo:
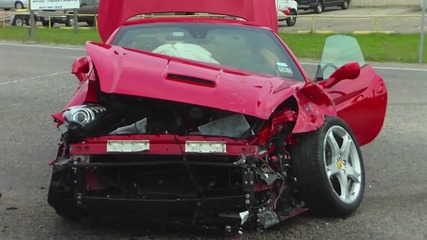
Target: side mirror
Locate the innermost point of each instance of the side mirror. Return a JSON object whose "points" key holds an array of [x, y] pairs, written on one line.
{"points": [[348, 71], [80, 68]]}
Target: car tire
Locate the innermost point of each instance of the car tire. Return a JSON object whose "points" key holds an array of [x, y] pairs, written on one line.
{"points": [[326, 162], [69, 22], [46, 23], [319, 7], [68, 215], [18, 21], [345, 4], [90, 23], [19, 5], [290, 21], [64, 206]]}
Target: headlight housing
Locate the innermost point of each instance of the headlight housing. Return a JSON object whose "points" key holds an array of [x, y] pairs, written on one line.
{"points": [[83, 114]]}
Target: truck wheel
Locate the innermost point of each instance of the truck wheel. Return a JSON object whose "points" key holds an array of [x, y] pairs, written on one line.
{"points": [[345, 4], [290, 21], [90, 23], [18, 21], [328, 166], [319, 7], [19, 5], [46, 23], [69, 22]]}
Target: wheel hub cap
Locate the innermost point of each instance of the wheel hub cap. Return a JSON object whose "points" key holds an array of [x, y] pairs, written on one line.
{"points": [[342, 164]]}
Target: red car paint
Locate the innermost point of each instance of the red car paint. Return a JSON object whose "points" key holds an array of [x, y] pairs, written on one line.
{"points": [[258, 95], [237, 91], [113, 13], [360, 102], [160, 144]]}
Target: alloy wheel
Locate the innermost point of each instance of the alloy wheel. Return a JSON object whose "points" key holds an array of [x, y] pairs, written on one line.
{"points": [[342, 164]]}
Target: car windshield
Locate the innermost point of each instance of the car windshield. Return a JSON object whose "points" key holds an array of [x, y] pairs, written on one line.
{"points": [[247, 48]]}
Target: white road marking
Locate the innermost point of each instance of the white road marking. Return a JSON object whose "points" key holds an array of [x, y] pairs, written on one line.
{"points": [[33, 78], [383, 68], [42, 46], [402, 69]]}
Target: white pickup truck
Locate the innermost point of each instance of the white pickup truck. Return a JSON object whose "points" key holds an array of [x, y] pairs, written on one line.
{"points": [[287, 10]]}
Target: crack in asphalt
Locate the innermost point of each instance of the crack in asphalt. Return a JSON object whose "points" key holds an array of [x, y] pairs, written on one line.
{"points": [[33, 78]]}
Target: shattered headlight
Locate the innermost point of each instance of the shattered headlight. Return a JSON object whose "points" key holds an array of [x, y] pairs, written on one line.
{"points": [[83, 114]]}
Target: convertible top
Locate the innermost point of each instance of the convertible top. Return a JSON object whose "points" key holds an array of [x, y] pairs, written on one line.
{"points": [[113, 13]]}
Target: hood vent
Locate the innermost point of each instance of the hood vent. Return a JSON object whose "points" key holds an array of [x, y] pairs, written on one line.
{"points": [[191, 80]]}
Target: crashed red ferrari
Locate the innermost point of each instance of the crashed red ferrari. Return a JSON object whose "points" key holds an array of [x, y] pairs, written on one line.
{"points": [[212, 121]]}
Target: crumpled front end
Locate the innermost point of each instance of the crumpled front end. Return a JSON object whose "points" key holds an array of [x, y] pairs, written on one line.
{"points": [[176, 158], [172, 162]]}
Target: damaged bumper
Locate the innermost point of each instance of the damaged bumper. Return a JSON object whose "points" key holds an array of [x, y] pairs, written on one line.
{"points": [[166, 181]]}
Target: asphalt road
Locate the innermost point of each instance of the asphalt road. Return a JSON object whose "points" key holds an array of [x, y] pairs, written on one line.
{"points": [[35, 82], [400, 20]]}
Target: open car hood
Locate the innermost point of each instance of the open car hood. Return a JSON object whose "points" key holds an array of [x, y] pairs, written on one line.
{"points": [[145, 74], [112, 13]]}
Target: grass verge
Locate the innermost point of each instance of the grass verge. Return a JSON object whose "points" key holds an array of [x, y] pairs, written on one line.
{"points": [[53, 35], [375, 47]]}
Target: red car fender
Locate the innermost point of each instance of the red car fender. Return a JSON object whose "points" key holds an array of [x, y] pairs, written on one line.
{"points": [[86, 92], [313, 104]]}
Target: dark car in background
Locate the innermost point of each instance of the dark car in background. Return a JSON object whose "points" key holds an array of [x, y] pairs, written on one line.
{"points": [[89, 10], [319, 5], [50, 17]]}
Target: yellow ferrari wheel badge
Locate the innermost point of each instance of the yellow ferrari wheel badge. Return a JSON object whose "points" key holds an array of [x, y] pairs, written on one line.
{"points": [[340, 164]]}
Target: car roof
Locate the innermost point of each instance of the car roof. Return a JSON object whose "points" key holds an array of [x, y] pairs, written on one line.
{"points": [[112, 13]]}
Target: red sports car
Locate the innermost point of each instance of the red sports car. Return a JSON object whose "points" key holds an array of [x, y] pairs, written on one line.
{"points": [[211, 121]]}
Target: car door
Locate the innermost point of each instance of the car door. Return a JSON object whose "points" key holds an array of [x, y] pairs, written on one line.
{"points": [[95, 7], [89, 8], [86, 6], [5, 3], [360, 102], [306, 2]]}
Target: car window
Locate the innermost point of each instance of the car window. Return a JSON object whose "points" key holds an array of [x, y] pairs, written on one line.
{"points": [[247, 48], [87, 2]]}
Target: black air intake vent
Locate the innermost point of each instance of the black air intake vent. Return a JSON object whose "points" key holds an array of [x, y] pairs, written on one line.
{"points": [[191, 80]]}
